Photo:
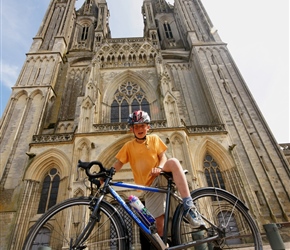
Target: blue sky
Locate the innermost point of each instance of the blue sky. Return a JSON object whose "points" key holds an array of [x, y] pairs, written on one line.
{"points": [[256, 31]]}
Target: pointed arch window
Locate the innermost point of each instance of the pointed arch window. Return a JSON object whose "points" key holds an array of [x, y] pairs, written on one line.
{"points": [[41, 239], [129, 224], [49, 191], [128, 98], [85, 33], [212, 173], [232, 226], [167, 30]]}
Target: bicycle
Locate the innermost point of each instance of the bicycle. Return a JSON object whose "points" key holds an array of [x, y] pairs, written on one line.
{"points": [[93, 223]]}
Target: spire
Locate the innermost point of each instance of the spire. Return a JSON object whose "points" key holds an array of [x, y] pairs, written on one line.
{"points": [[89, 7], [54, 33], [93, 26], [161, 6]]}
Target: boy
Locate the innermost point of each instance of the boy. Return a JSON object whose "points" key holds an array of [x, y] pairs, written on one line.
{"points": [[146, 155]]}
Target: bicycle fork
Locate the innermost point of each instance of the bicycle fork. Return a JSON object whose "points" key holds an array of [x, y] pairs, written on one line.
{"points": [[94, 217]]}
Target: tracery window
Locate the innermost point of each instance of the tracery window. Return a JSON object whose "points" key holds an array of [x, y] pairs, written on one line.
{"points": [[49, 191], [212, 173], [168, 31], [128, 98]]}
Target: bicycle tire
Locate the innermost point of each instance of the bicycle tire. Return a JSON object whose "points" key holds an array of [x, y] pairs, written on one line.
{"points": [[60, 225], [225, 210]]}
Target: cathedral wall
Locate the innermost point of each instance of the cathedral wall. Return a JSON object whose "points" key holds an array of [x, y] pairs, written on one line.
{"points": [[249, 132], [32, 115], [38, 70], [6, 222], [24, 111], [10, 128], [191, 95]]}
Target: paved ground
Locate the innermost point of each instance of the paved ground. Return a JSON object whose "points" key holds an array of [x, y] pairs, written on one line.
{"points": [[287, 246], [268, 247]]}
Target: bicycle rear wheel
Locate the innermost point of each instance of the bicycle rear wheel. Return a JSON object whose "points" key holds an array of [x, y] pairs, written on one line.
{"points": [[235, 226], [59, 227]]}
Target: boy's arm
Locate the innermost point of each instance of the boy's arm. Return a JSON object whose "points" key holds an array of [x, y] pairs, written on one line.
{"points": [[118, 165], [162, 159]]}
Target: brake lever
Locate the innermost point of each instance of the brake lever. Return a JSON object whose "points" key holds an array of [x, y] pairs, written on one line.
{"points": [[96, 182]]}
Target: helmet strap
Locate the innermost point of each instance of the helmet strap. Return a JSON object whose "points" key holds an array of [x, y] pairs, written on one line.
{"points": [[143, 139]]}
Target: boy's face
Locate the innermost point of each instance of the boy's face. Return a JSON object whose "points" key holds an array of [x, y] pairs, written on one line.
{"points": [[140, 130]]}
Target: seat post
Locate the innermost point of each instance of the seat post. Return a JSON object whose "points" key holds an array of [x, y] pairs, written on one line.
{"points": [[167, 208]]}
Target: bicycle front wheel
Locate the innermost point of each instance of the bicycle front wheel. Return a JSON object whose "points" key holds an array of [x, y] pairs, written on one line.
{"points": [[65, 222], [225, 215]]}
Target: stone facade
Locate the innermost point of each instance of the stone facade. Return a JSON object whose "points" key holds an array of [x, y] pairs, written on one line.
{"points": [[70, 99]]}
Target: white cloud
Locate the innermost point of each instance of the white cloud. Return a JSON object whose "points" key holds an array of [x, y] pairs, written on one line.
{"points": [[9, 74]]}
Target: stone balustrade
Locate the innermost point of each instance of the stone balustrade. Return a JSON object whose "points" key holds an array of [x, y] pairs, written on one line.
{"points": [[123, 127]]}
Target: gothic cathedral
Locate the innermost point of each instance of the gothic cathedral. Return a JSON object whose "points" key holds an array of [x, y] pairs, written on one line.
{"points": [[78, 86]]}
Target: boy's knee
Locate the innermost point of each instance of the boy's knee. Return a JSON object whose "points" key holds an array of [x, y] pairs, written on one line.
{"points": [[173, 162]]}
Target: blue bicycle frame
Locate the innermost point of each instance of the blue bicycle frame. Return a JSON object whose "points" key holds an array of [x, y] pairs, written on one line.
{"points": [[126, 207]]}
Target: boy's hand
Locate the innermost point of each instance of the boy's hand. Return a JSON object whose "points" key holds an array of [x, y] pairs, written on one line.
{"points": [[155, 171]]}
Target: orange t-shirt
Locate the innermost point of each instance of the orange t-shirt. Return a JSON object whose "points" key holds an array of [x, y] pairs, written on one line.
{"points": [[142, 157]]}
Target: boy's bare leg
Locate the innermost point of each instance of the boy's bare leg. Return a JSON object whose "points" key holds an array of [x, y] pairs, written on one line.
{"points": [[173, 165], [160, 224]]}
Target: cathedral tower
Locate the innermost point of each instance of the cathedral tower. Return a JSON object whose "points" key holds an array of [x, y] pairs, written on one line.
{"points": [[78, 85]]}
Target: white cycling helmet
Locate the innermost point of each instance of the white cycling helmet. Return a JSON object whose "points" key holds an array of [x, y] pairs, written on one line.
{"points": [[138, 117]]}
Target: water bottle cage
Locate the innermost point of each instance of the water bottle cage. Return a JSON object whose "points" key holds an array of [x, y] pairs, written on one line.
{"points": [[143, 218]]}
